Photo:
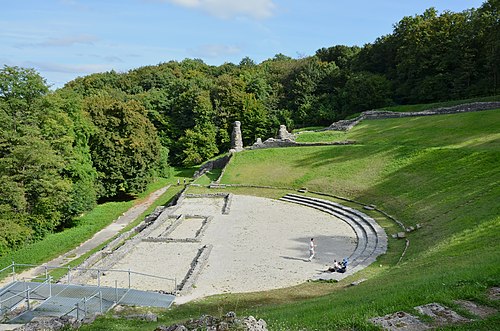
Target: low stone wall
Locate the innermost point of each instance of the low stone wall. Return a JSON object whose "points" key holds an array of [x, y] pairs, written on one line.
{"points": [[106, 258], [197, 265], [116, 244], [219, 163], [227, 199], [345, 125], [276, 143]]}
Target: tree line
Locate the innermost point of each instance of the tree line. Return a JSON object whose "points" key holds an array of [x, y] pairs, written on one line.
{"points": [[110, 134]]}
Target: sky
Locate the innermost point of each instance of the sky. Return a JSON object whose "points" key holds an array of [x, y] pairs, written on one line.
{"points": [[65, 39]]}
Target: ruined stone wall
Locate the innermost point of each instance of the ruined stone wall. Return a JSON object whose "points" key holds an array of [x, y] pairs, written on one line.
{"points": [[219, 163], [276, 143], [345, 125]]}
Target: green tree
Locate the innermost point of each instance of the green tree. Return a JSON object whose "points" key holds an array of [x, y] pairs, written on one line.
{"points": [[125, 148], [198, 144], [365, 91], [20, 91], [70, 129], [35, 148]]}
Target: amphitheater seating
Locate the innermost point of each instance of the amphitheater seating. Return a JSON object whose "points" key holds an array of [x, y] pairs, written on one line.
{"points": [[372, 239]]}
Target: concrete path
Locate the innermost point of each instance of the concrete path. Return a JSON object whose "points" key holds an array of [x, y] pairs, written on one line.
{"points": [[100, 237]]}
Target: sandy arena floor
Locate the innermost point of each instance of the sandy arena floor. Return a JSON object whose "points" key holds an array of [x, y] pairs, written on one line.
{"points": [[261, 245]]}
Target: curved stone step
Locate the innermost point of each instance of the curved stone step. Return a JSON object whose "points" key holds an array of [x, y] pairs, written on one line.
{"points": [[372, 239], [377, 238], [358, 230], [355, 222]]}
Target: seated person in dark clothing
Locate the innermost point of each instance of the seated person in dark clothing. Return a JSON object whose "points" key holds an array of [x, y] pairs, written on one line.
{"points": [[336, 266], [343, 265]]}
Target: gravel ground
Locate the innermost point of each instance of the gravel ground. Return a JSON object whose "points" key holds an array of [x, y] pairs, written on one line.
{"points": [[261, 244]]}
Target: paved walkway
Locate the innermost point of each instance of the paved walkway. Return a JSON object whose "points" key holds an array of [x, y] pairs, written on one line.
{"points": [[100, 237]]}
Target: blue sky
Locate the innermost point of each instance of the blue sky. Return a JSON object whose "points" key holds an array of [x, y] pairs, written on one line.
{"points": [[64, 39]]}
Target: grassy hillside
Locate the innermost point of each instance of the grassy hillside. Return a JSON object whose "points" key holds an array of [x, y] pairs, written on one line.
{"points": [[442, 172]]}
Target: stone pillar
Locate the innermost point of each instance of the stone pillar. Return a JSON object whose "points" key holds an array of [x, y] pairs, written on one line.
{"points": [[236, 139], [283, 133]]}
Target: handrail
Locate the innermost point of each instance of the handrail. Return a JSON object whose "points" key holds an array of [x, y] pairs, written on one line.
{"points": [[5, 290], [46, 282], [87, 269], [99, 271], [7, 267]]}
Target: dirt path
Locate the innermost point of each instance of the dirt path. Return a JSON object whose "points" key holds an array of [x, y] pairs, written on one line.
{"points": [[100, 237]]}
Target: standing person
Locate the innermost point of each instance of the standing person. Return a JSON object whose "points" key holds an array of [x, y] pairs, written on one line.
{"points": [[312, 252]]}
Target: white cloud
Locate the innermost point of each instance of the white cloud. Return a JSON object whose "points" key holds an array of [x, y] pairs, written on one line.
{"points": [[258, 9], [215, 50], [73, 69], [69, 41]]}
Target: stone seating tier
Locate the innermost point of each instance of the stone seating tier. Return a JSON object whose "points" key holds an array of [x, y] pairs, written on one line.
{"points": [[372, 239]]}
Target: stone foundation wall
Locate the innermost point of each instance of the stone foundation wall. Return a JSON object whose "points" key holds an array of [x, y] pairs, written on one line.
{"points": [[345, 125], [219, 163], [276, 143]]}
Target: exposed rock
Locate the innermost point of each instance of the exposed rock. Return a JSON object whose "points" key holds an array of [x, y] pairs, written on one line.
{"points": [[494, 293], [148, 317], [175, 327], [50, 323], [219, 163], [400, 321], [359, 281], [227, 322], [475, 309], [442, 315], [401, 235], [253, 325]]}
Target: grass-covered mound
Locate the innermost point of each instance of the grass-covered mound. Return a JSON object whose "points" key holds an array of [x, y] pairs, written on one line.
{"points": [[441, 171]]}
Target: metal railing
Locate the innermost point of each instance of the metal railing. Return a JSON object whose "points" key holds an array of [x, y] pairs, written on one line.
{"points": [[25, 295], [81, 307], [100, 272]]}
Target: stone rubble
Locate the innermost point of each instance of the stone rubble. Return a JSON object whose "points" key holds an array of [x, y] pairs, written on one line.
{"points": [[440, 315], [210, 323]]}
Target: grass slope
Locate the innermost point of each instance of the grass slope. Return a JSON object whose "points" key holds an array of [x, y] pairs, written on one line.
{"points": [[85, 227], [442, 172]]}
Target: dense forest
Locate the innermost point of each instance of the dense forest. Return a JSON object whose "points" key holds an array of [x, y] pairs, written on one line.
{"points": [[109, 134]]}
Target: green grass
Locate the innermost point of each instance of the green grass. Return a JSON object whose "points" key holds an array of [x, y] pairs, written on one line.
{"points": [[209, 177], [442, 172], [322, 136], [308, 128], [58, 243]]}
